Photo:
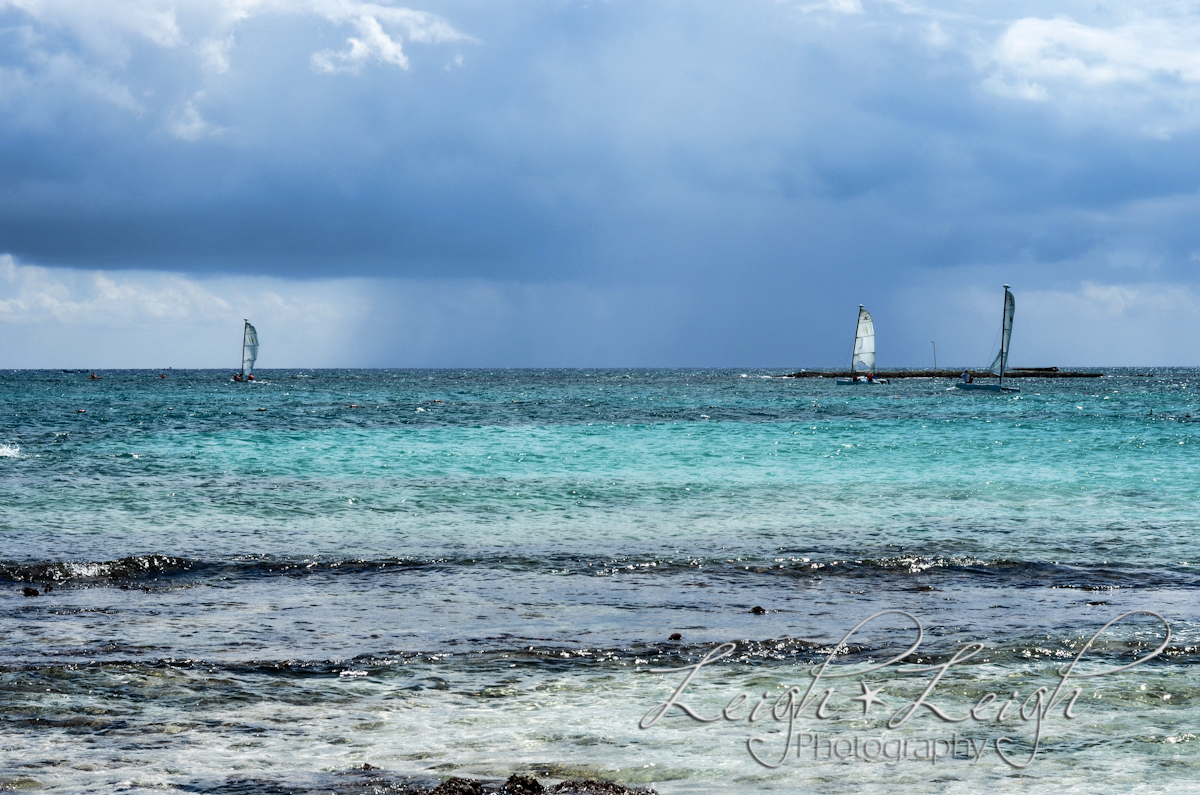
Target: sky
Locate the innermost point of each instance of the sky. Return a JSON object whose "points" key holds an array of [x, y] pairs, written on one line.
{"points": [[632, 183]]}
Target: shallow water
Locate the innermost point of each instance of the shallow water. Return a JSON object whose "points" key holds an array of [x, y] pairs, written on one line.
{"points": [[257, 587]]}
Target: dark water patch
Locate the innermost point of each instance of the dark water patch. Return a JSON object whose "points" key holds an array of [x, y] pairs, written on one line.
{"points": [[447, 669], [928, 572], [903, 571], [351, 782]]}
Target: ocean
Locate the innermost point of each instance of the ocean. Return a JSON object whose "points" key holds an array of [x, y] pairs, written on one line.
{"points": [[263, 588]]}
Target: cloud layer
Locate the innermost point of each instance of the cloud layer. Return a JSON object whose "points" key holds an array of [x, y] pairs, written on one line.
{"points": [[60, 317], [754, 171]]}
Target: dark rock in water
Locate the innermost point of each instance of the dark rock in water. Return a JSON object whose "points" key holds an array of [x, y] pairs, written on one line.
{"points": [[526, 785], [369, 766], [32, 591], [459, 786], [590, 787], [523, 785], [675, 636], [757, 610], [47, 587]]}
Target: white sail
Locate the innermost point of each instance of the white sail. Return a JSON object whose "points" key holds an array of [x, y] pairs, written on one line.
{"points": [[864, 343], [249, 349], [1000, 363]]}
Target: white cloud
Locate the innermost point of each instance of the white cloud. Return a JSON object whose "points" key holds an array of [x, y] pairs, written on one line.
{"points": [[53, 317], [32, 295], [89, 46], [1101, 303], [1144, 72], [373, 42], [374, 45], [848, 7], [935, 35], [111, 29], [186, 123], [215, 53], [106, 28], [1063, 50], [52, 83]]}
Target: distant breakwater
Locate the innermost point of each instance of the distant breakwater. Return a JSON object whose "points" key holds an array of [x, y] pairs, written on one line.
{"points": [[1028, 372]]}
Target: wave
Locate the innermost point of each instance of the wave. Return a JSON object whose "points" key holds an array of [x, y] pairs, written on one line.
{"points": [[912, 571], [127, 569], [9, 451]]}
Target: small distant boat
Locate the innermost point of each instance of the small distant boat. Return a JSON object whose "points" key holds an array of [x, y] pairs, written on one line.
{"points": [[862, 359], [1000, 363], [249, 353]]}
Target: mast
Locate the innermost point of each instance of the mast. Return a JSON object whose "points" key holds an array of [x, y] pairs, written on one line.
{"points": [[245, 330], [1003, 341], [854, 345]]}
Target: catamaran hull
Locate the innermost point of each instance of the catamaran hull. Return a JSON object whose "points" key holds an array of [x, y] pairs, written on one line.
{"points": [[989, 387]]}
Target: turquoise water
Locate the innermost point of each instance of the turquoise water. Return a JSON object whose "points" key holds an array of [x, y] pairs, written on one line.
{"points": [[257, 587]]}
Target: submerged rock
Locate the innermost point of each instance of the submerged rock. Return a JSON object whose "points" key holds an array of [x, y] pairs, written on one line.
{"points": [[527, 785], [523, 785], [459, 786], [591, 787]]}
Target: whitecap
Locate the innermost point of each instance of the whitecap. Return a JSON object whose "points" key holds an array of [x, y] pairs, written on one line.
{"points": [[9, 451]]}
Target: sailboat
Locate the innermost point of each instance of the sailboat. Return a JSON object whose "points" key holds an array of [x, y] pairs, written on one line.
{"points": [[1000, 363], [249, 353], [862, 359]]}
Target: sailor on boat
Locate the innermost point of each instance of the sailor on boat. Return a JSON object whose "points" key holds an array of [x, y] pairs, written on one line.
{"points": [[249, 353], [1000, 364], [862, 355]]}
